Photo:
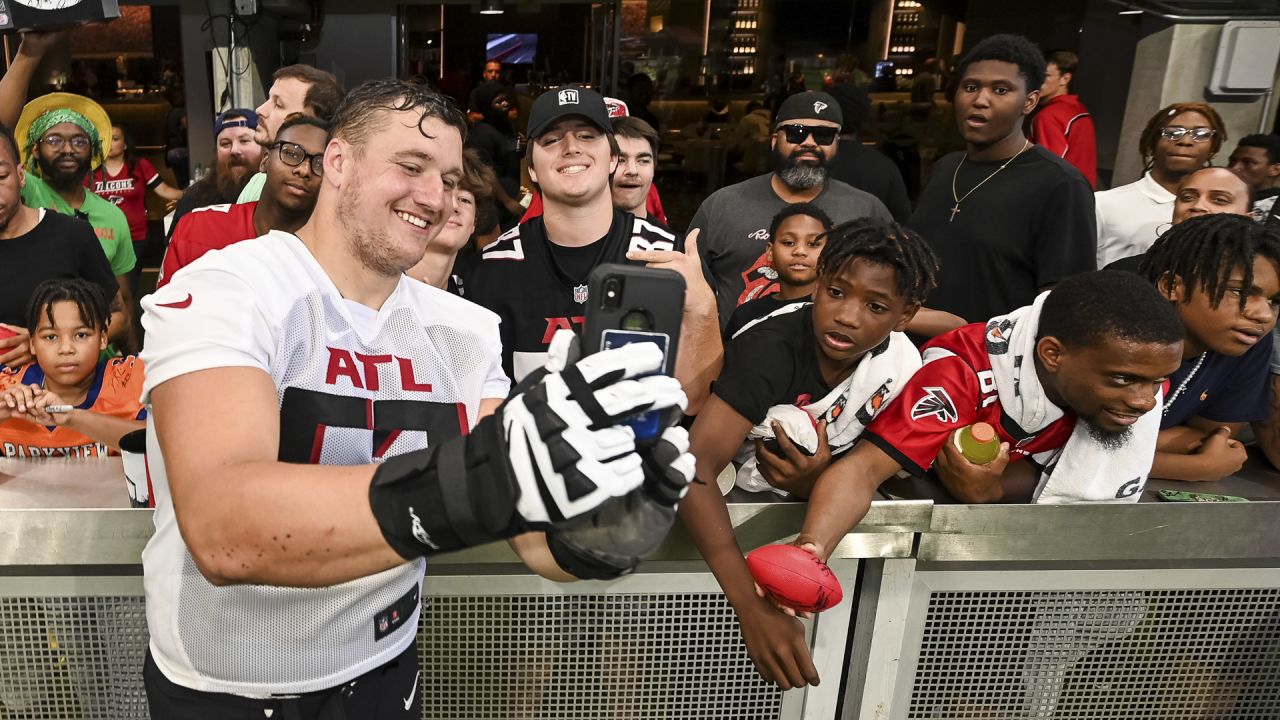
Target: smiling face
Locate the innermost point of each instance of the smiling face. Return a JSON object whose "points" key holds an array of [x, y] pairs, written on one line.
{"points": [[1209, 191], [1181, 156], [855, 307], [287, 96], [794, 252], [991, 101], [460, 225], [11, 182], [67, 349], [571, 162], [634, 175], [294, 188], [393, 195], [1226, 329], [1111, 384]]}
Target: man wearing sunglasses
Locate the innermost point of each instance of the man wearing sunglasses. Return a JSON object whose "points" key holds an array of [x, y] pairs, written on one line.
{"points": [[293, 167], [734, 221]]}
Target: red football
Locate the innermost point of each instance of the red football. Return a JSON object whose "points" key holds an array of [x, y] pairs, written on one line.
{"points": [[795, 578]]}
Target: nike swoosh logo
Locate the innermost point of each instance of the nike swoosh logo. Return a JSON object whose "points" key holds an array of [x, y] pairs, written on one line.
{"points": [[413, 690], [179, 304]]}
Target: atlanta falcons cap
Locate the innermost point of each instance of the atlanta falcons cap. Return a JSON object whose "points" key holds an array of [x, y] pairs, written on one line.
{"points": [[564, 101], [811, 105]]}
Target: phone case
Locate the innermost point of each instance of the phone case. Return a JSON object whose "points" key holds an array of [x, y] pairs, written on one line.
{"points": [[657, 292]]}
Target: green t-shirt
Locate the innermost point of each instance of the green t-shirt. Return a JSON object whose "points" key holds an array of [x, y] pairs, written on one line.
{"points": [[108, 221], [252, 191]]}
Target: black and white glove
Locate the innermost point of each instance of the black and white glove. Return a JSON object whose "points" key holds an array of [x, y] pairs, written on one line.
{"points": [[614, 539], [555, 450]]}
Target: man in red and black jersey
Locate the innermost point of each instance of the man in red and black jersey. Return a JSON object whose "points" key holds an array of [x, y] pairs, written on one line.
{"points": [[535, 275], [1104, 348], [293, 170]]}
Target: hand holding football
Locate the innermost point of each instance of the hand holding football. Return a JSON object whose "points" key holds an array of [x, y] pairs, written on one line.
{"points": [[795, 578]]}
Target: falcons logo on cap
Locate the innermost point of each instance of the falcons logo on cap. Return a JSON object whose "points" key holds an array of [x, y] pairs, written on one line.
{"points": [[936, 402], [819, 106]]}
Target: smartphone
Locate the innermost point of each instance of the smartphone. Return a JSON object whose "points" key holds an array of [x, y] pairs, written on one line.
{"points": [[632, 303], [1184, 496]]}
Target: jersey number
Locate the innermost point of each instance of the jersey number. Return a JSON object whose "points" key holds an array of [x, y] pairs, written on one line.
{"points": [[305, 414]]}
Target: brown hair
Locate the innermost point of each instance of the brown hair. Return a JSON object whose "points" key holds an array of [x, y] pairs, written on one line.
{"points": [[477, 178], [324, 92], [637, 129], [1151, 134], [361, 113]]}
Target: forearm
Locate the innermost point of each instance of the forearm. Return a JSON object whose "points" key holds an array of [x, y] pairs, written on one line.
{"points": [[701, 352], [835, 507], [931, 323], [706, 517], [1181, 466], [168, 192], [121, 315], [251, 531], [100, 428], [1180, 440], [13, 87]]}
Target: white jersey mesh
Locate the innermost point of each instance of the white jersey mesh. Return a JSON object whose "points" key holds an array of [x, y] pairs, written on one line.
{"points": [[371, 381]]}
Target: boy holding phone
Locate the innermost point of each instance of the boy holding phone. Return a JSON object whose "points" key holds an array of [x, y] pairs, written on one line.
{"points": [[839, 360], [535, 275]]}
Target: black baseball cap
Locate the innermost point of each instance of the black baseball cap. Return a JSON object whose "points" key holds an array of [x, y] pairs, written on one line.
{"points": [[564, 101], [811, 105]]}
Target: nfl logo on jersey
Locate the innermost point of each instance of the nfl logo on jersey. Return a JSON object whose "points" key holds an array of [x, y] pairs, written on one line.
{"points": [[569, 97], [579, 293]]}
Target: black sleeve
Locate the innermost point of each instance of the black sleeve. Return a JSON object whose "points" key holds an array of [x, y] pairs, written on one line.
{"points": [[482, 142], [758, 367], [1065, 232]]}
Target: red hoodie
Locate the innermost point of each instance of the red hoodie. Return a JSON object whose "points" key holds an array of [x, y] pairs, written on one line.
{"points": [[1063, 126]]}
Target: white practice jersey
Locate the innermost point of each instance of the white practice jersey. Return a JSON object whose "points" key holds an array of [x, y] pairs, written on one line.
{"points": [[355, 386]]}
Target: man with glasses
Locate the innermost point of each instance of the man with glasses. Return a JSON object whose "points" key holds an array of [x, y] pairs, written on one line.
{"points": [[734, 221], [295, 163]]}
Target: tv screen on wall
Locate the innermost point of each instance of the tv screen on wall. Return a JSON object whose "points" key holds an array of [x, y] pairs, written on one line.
{"points": [[512, 48]]}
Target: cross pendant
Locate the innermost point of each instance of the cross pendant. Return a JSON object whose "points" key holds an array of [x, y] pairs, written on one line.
{"points": [[954, 210]]}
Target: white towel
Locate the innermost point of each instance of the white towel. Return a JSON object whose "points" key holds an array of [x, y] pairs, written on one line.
{"points": [[876, 380], [1082, 470]]}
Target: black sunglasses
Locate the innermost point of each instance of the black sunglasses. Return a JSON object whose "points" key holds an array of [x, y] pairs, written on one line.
{"points": [[293, 155], [822, 134]]}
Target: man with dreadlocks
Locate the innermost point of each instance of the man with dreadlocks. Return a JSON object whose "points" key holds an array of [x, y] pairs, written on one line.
{"points": [[60, 139], [787, 380], [1221, 273]]}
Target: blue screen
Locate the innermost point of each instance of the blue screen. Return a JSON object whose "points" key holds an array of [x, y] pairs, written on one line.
{"points": [[512, 48]]}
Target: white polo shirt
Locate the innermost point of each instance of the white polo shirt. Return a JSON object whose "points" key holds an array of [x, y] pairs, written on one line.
{"points": [[1130, 218]]}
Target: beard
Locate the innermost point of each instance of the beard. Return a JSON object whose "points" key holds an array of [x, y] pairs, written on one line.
{"points": [[231, 176], [59, 178], [371, 248], [1110, 440], [796, 175]]}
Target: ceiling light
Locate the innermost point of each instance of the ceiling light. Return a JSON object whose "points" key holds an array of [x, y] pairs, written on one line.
{"points": [[492, 7]]}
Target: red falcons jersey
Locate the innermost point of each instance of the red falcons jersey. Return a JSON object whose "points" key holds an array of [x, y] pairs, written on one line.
{"points": [[204, 229], [955, 388]]}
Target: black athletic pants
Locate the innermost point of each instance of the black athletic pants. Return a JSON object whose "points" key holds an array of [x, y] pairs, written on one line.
{"points": [[389, 692]]}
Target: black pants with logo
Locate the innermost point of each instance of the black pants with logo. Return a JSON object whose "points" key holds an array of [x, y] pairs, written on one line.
{"points": [[389, 692]]}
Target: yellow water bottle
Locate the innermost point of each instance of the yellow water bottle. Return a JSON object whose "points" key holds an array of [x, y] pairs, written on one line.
{"points": [[979, 443]]}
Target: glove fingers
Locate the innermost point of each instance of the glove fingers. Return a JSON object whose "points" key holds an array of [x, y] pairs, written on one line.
{"points": [[628, 361], [666, 392], [563, 350]]}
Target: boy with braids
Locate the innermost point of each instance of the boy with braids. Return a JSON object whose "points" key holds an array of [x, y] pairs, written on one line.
{"points": [[810, 375], [68, 403], [1222, 274]]}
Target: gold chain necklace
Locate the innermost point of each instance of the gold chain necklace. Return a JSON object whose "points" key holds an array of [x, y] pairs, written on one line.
{"points": [[956, 208]]}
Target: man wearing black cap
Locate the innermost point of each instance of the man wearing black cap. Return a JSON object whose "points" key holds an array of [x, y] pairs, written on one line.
{"points": [[734, 221], [535, 275], [863, 167]]}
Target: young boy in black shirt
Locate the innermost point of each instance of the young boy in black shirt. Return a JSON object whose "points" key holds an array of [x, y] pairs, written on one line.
{"points": [[845, 351], [796, 236]]}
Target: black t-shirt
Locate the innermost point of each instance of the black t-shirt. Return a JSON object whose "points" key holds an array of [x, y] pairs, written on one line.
{"points": [[756, 309], [497, 149], [1222, 389], [1030, 225], [537, 287], [773, 363], [59, 246], [871, 170]]}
